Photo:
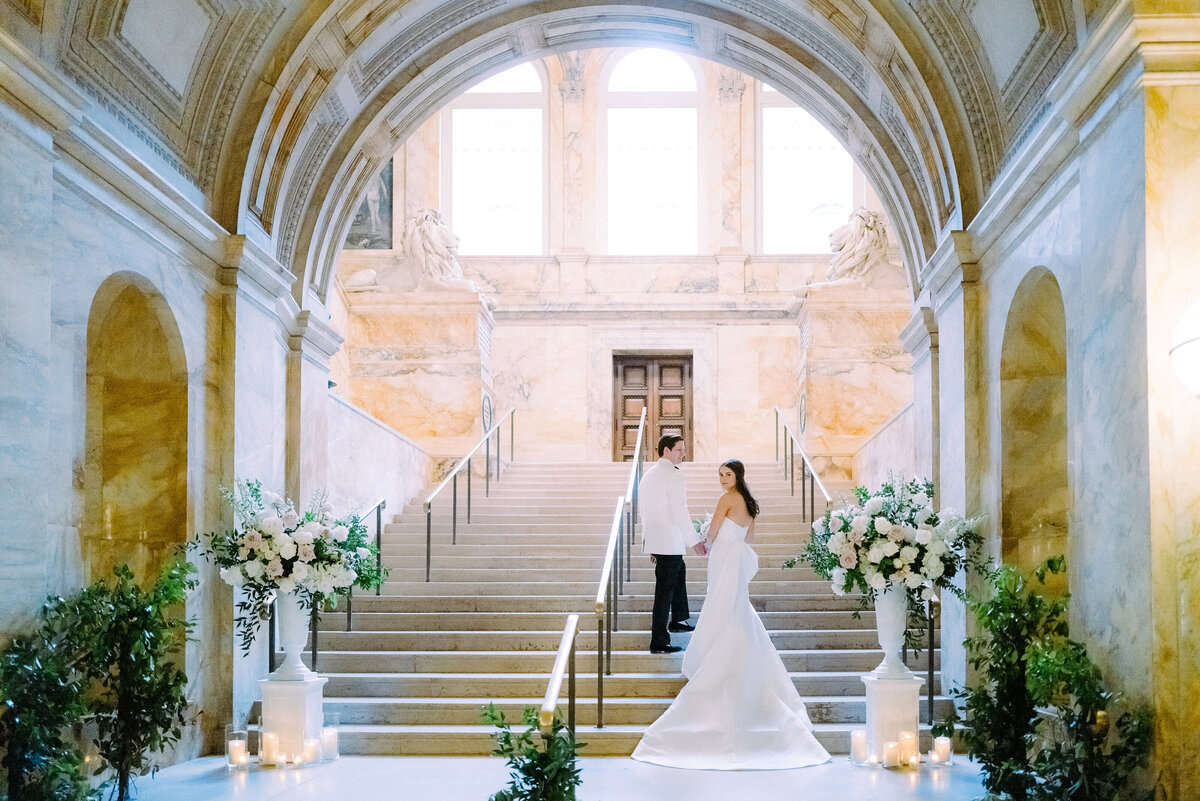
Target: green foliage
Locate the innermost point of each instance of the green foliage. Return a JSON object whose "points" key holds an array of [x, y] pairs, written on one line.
{"points": [[1025, 661], [122, 638], [545, 773], [41, 699], [947, 725]]}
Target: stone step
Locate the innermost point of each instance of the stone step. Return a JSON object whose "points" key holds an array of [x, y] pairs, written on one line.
{"points": [[628, 639], [559, 551], [583, 602], [573, 574], [332, 663], [499, 586], [553, 621], [617, 711], [533, 685]]}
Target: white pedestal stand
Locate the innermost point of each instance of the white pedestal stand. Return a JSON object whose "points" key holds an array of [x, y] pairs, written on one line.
{"points": [[893, 706], [292, 710]]}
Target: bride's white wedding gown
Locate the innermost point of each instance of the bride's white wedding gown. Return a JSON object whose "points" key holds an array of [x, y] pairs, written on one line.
{"points": [[739, 709]]}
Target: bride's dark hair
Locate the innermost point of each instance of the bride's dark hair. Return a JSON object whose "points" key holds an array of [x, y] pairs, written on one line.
{"points": [[739, 476]]}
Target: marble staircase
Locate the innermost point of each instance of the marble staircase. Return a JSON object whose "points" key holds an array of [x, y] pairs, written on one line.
{"points": [[423, 657]]}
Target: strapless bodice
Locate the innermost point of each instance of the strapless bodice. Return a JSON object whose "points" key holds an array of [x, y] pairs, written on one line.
{"points": [[731, 531]]}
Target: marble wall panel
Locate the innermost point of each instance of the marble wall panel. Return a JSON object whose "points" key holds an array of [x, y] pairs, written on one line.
{"points": [[26, 378], [757, 370], [368, 461], [537, 373], [892, 448], [613, 276], [764, 274]]}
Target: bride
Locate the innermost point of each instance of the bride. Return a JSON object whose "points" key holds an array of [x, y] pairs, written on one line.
{"points": [[739, 709]]}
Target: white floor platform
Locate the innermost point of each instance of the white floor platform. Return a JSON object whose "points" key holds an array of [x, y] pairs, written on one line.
{"points": [[604, 779]]}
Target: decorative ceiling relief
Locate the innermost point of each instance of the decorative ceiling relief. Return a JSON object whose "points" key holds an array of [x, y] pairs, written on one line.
{"points": [[169, 70]]}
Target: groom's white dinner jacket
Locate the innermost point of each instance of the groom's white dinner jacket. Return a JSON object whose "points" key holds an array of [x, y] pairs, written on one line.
{"points": [[662, 505]]}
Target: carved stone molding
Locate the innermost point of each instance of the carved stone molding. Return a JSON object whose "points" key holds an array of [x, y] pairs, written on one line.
{"points": [[571, 89], [731, 86]]}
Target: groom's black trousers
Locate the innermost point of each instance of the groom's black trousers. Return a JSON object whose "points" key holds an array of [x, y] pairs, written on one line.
{"points": [[670, 597]]}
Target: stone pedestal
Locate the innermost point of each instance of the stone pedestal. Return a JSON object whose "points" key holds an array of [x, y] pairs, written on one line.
{"points": [[292, 710], [893, 706], [854, 372], [422, 362]]}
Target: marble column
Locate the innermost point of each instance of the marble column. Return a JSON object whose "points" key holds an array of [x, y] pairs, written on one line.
{"points": [[248, 403], [920, 340], [731, 89], [953, 294], [1172, 275], [575, 142], [312, 344]]}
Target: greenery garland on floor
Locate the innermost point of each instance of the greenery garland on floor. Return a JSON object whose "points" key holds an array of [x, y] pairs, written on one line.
{"points": [[545, 773], [1038, 717]]}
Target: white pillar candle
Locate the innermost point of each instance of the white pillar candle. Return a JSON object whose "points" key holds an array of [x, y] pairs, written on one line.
{"points": [[269, 753], [943, 749], [235, 753], [858, 745], [915, 761], [329, 742], [908, 746], [891, 755], [312, 749]]}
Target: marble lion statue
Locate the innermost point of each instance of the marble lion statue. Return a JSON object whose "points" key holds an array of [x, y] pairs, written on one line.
{"points": [[857, 245], [432, 248]]}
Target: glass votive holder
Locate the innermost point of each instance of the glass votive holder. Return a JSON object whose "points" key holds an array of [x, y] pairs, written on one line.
{"points": [[237, 748], [268, 749], [858, 747], [943, 750], [329, 737]]}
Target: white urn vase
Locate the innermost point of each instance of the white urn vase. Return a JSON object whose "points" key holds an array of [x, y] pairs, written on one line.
{"points": [[292, 621], [891, 621]]}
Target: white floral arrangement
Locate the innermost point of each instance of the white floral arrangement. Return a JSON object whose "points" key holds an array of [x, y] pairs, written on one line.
{"points": [[701, 524], [275, 549], [893, 538]]}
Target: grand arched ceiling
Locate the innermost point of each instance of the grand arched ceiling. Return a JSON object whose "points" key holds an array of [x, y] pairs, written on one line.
{"points": [[276, 114]]}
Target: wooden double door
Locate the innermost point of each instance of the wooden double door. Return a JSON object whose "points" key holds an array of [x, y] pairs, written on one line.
{"points": [[663, 386]]}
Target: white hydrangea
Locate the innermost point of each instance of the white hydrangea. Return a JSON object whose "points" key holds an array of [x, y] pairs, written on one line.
{"points": [[908, 553], [300, 571], [839, 581], [859, 524], [232, 576], [286, 547], [339, 533], [923, 536], [254, 569], [286, 586], [873, 506], [877, 581], [914, 580], [883, 525], [875, 554]]}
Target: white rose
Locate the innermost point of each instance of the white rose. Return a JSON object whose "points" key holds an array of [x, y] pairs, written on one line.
{"points": [[934, 568], [232, 576], [286, 547], [923, 536], [254, 569], [302, 536], [877, 581], [363, 553], [859, 524], [883, 525], [819, 528], [339, 533], [290, 518], [874, 506], [913, 581], [300, 571], [286, 586], [271, 526], [908, 553], [875, 554], [889, 548]]}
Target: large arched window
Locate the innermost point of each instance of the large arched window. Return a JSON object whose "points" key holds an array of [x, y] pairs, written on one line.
{"points": [[806, 178], [494, 176], [651, 169]]}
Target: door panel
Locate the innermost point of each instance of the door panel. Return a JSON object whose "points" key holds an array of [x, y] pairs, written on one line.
{"points": [[661, 384]]}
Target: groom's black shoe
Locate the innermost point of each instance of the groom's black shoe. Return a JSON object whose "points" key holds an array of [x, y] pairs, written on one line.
{"points": [[670, 649], [681, 626]]}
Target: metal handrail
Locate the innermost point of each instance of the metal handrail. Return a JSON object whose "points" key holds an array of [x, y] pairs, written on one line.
{"points": [[377, 508], [809, 481], [452, 477], [606, 608], [631, 499], [564, 662]]}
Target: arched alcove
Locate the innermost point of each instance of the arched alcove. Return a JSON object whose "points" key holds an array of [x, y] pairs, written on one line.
{"points": [[1033, 424], [137, 411]]}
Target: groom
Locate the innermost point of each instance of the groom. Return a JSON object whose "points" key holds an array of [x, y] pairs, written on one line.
{"points": [[666, 532]]}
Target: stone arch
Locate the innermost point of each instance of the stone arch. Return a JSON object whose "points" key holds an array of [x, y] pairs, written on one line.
{"points": [[1033, 423], [329, 128], [135, 474]]}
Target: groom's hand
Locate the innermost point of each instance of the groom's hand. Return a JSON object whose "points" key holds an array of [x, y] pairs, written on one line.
{"points": [[699, 548]]}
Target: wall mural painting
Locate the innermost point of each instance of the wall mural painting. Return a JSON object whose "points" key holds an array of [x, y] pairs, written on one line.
{"points": [[372, 226]]}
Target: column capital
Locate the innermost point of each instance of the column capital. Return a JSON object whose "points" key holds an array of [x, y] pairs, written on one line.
{"points": [[921, 333]]}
